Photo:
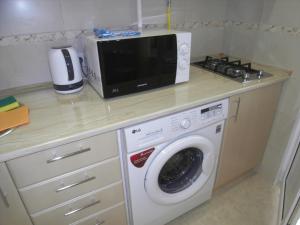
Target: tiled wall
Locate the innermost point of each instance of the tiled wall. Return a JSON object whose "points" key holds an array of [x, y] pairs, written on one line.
{"points": [[268, 31], [28, 28]]}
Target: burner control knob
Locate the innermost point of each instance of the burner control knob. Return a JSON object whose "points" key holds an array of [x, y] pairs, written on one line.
{"points": [[246, 76], [260, 74], [185, 123]]}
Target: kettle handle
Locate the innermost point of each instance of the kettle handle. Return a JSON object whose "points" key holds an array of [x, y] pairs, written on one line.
{"points": [[69, 64]]}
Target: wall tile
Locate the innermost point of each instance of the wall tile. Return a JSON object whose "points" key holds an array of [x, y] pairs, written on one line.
{"points": [[88, 14], [206, 41], [245, 10], [205, 10], [240, 43], [283, 12], [29, 16], [7, 68], [78, 14], [154, 8], [22, 65], [278, 49], [154, 11], [115, 12]]}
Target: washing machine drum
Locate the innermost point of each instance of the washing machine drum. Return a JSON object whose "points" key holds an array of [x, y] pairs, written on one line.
{"points": [[180, 170]]}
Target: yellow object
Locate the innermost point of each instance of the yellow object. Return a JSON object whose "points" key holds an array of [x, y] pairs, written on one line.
{"points": [[169, 14], [14, 118], [9, 107]]}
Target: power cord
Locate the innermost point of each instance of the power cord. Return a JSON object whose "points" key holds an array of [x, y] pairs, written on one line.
{"points": [[86, 74]]}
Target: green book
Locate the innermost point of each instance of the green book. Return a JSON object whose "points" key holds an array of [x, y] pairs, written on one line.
{"points": [[7, 101]]}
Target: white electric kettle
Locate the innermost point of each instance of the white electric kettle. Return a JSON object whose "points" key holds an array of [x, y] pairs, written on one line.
{"points": [[65, 70]]}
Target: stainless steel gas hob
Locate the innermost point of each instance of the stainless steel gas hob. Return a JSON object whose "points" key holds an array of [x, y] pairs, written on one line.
{"points": [[235, 70]]}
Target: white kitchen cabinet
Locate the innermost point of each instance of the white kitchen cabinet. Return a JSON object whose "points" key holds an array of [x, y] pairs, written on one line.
{"points": [[247, 132], [72, 182], [12, 211]]}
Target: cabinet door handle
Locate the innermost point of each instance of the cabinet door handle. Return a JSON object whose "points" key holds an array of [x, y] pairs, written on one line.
{"points": [[100, 223], [82, 208], [56, 158], [238, 102], [75, 184], [4, 198]]}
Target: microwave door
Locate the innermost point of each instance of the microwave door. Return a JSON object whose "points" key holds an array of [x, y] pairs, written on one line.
{"points": [[137, 64]]}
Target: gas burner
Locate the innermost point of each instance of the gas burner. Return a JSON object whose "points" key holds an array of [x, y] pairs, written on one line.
{"points": [[232, 69]]}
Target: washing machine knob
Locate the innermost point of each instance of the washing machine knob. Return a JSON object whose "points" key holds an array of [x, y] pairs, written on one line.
{"points": [[185, 124]]}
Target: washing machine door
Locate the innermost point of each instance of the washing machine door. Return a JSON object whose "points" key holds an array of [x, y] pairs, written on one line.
{"points": [[180, 170]]}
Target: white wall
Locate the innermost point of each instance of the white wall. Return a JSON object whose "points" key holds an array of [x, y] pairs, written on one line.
{"points": [[28, 28], [268, 31]]}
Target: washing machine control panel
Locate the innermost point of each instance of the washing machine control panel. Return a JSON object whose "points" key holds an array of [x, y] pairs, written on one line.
{"points": [[156, 131], [211, 112]]}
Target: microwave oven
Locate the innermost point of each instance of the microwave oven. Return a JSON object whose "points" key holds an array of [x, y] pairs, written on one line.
{"points": [[124, 65]]}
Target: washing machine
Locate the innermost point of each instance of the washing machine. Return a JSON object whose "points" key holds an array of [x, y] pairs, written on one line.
{"points": [[170, 163]]}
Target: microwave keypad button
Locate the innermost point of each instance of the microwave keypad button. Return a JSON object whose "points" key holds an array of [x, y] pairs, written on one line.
{"points": [[182, 64], [184, 49]]}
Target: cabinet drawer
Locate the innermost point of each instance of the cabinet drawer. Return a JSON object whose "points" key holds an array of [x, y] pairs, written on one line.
{"points": [[69, 186], [43, 165], [81, 207], [113, 216]]}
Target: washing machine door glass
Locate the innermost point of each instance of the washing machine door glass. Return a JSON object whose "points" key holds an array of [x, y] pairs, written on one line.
{"points": [[180, 170]]}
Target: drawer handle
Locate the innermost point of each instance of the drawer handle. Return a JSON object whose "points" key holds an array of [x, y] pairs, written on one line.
{"points": [[100, 223], [6, 132], [4, 198], [75, 184], [56, 158], [82, 208]]}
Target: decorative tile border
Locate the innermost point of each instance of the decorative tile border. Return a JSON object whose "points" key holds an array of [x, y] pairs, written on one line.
{"points": [[214, 24], [295, 31], [42, 37], [74, 34]]}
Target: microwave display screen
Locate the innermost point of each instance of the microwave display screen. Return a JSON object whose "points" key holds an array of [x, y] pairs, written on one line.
{"points": [[138, 59]]}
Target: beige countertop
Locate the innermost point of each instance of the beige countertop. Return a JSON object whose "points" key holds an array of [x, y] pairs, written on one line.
{"points": [[57, 119]]}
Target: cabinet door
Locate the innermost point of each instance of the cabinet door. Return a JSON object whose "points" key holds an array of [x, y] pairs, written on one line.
{"points": [[291, 192], [295, 217], [12, 211], [247, 131]]}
